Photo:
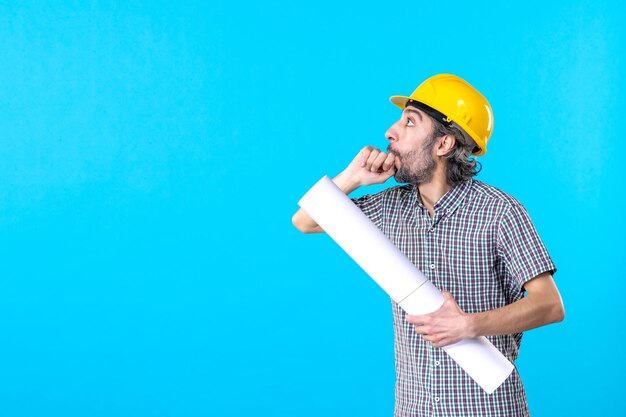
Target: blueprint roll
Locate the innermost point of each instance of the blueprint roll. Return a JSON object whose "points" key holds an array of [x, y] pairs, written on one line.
{"points": [[346, 224]]}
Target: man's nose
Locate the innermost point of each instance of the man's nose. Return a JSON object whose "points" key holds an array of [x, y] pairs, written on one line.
{"points": [[391, 134]]}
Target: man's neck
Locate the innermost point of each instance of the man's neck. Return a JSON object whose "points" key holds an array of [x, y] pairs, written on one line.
{"points": [[432, 191]]}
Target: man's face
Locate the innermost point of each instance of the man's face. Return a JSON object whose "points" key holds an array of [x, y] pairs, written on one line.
{"points": [[412, 142]]}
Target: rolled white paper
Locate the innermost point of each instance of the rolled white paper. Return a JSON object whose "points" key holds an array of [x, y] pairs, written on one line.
{"points": [[346, 224]]}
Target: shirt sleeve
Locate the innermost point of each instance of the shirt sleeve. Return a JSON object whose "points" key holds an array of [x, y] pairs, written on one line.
{"points": [[371, 205], [519, 244]]}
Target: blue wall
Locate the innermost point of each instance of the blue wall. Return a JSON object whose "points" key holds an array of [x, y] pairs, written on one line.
{"points": [[152, 154]]}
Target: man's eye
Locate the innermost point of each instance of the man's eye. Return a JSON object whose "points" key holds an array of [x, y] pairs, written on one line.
{"points": [[409, 122]]}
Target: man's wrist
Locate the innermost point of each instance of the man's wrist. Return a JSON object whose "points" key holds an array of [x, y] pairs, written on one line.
{"points": [[346, 182], [472, 325]]}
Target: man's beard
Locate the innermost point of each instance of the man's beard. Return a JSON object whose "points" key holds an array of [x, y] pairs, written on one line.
{"points": [[418, 166]]}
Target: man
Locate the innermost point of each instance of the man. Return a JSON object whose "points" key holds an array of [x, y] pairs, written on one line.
{"points": [[473, 241]]}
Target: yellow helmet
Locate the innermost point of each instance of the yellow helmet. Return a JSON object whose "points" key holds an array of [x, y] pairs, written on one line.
{"points": [[452, 100]]}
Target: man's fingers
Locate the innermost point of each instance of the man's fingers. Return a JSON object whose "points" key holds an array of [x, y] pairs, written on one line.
{"points": [[374, 160], [423, 330], [378, 162], [372, 157], [437, 340], [418, 320], [389, 162], [439, 343], [364, 154]]}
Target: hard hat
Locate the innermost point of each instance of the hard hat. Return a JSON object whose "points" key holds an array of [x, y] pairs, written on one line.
{"points": [[452, 100]]}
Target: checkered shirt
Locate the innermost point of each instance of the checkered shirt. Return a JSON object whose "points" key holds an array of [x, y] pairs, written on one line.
{"points": [[482, 247]]}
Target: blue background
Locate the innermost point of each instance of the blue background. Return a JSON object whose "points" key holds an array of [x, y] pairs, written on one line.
{"points": [[152, 154]]}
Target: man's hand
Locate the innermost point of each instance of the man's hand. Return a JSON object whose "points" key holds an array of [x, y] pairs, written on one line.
{"points": [[445, 326], [370, 166]]}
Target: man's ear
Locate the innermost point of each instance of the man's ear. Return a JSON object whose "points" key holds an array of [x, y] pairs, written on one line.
{"points": [[445, 145]]}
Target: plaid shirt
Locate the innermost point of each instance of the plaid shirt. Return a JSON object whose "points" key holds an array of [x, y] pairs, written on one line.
{"points": [[482, 247]]}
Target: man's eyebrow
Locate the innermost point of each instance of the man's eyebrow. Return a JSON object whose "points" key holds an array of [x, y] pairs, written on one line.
{"points": [[410, 110]]}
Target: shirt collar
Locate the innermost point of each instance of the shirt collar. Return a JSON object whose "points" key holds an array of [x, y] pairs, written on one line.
{"points": [[450, 201]]}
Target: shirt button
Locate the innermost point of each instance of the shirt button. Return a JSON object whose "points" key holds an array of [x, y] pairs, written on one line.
{"points": [[436, 399], [437, 363], [432, 266]]}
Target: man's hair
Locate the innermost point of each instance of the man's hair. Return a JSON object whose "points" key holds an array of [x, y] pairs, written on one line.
{"points": [[460, 167]]}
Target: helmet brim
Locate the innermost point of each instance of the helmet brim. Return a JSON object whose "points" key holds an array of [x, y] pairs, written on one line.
{"points": [[399, 101]]}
